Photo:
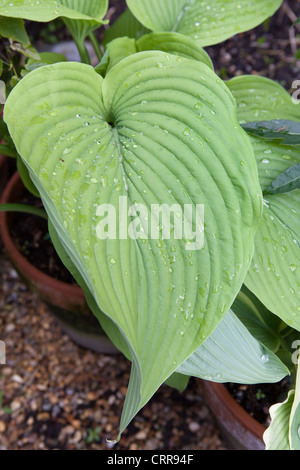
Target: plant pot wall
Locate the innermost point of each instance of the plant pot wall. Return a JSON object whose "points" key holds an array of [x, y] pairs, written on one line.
{"points": [[67, 302], [239, 428]]}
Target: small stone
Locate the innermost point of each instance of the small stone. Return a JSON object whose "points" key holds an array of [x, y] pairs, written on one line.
{"points": [[194, 427], [2, 426], [17, 378], [141, 435]]}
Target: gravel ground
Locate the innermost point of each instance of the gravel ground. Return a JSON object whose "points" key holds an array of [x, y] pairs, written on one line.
{"points": [[56, 395]]}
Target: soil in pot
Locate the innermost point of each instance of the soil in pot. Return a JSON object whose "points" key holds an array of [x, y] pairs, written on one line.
{"points": [[242, 411], [258, 398], [29, 235]]}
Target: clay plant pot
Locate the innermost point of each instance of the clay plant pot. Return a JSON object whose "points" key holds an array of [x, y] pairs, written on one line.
{"points": [[67, 302], [239, 429]]}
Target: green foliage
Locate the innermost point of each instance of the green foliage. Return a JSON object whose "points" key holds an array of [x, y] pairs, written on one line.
{"points": [[4, 409], [172, 140], [207, 22], [284, 131], [286, 182], [154, 126], [93, 435]]}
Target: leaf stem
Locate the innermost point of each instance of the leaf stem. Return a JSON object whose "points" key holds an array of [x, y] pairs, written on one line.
{"points": [[83, 52], [96, 45], [9, 152], [23, 208]]}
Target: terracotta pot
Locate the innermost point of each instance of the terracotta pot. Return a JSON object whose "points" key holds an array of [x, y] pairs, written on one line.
{"points": [[67, 302], [240, 430]]}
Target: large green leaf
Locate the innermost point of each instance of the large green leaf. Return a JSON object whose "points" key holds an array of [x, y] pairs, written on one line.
{"points": [[125, 26], [115, 51], [262, 324], [232, 354], [206, 21], [294, 434], [82, 17], [159, 129], [172, 43], [48, 10], [274, 273], [284, 430], [276, 437], [261, 99]]}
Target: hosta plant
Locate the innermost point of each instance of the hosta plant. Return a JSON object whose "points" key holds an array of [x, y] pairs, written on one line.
{"points": [[160, 182]]}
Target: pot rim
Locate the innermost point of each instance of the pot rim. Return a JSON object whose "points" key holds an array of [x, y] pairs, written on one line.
{"points": [[236, 410], [34, 273]]}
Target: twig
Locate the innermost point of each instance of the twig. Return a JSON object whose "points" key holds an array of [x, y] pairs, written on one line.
{"points": [[293, 40], [289, 12]]}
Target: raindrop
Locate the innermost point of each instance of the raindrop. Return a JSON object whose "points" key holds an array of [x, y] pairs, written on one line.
{"points": [[265, 358], [198, 106], [112, 261]]}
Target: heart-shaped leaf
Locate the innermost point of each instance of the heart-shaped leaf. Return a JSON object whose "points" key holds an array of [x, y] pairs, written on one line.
{"points": [[124, 166], [274, 273], [207, 22]]}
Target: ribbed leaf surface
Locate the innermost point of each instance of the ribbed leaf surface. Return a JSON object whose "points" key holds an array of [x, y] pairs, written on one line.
{"points": [[48, 10], [232, 354], [274, 276], [206, 21], [159, 129]]}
